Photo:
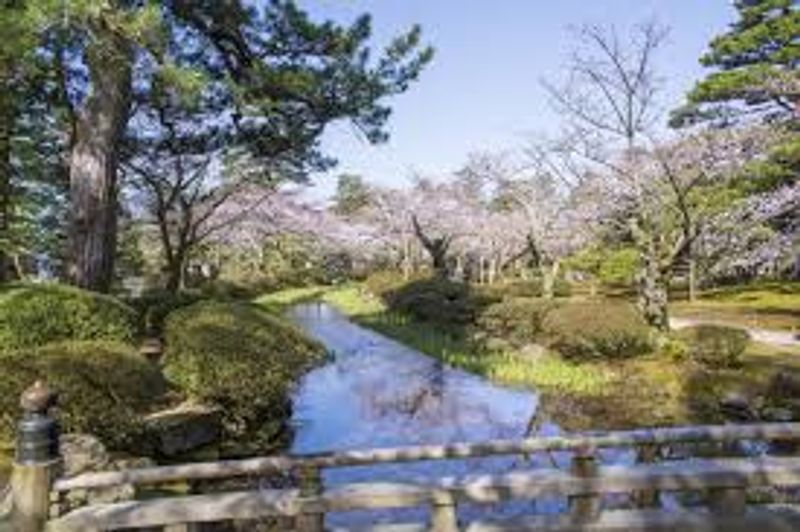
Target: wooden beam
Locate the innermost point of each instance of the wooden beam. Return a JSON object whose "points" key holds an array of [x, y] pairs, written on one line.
{"points": [[588, 442], [773, 518]]}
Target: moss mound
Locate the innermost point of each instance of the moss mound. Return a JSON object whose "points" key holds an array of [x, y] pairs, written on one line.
{"points": [[438, 301], [238, 357], [715, 345], [595, 331], [103, 388], [519, 320], [37, 314]]}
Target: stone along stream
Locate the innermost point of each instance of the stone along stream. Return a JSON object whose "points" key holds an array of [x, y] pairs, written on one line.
{"points": [[376, 392]]}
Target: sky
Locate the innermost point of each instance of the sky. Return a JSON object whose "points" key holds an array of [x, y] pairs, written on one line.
{"points": [[483, 89]]}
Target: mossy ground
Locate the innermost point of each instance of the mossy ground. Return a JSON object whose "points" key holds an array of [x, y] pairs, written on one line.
{"points": [[766, 305], [650, 390]]}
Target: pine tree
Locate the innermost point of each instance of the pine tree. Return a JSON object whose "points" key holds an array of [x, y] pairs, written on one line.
{"points": [[756, 67]]}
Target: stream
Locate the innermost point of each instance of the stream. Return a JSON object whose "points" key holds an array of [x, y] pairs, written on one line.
{"points": [[376, 392]]}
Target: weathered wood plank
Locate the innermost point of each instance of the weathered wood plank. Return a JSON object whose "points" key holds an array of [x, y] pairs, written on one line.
{"points": [[480, 489], [179, 510], [764, 519], [589, 442]]}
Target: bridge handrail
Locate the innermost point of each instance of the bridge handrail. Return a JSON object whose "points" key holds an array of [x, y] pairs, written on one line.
{"points": [[719, 476], [588, 442]]}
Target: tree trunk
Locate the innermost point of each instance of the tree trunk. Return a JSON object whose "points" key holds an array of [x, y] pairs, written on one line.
{"points": [[692, 281], [549, 274], [175, 271], [653, 292], [6, 121], [93, 165]]}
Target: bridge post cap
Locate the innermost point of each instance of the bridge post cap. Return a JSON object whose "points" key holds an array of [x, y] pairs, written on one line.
{"points": [[38, 398]]}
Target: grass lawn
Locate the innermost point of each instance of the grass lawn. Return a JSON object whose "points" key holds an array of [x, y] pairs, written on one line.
{"points": [[646, 391], [771, 305]]}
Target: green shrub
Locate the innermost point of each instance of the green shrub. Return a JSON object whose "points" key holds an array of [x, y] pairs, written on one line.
{"points": [[437, 301], [103, 388], [153, 307], [673, 347], [382, 282], [597, 330], [37, 314], [518, 320], [715, 345], [238, 357]]}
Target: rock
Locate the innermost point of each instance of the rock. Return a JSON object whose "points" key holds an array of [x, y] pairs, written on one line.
{"points": [[497, 344], [184, 428], [533, 352], [152, 349], [82, 453], [737, 406]]}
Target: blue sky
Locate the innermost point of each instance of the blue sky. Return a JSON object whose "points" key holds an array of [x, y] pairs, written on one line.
{"points": [[482, 91]]}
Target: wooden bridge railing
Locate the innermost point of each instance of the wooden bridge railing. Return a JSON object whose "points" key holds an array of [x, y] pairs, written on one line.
{"points": [[725, 482]]}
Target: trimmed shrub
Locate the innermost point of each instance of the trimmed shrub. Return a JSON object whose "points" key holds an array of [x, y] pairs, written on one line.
{"points": [[437, 301], [597, 330], [238, 357], [103, 388], [382, 282], [38, 314], [715, 345], [519, 320]]}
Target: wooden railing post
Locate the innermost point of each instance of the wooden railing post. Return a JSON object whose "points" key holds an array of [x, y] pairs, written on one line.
{"points": [[583, 508], [310, 481], [37, 460], [647, 454], [443, 512]]}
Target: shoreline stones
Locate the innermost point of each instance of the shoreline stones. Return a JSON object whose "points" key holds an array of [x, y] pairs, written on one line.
{"points": [[183, 429]]}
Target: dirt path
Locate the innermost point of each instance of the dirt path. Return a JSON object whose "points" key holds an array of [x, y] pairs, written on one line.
{"points": [[766, 336]]}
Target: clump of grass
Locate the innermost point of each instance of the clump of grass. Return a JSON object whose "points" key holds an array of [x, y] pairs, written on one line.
{"points": [[551, 373]]}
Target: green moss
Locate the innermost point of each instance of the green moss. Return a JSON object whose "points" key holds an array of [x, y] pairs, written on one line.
{"points": [[519, 320], [768, 305], [715, 345], [592, 330], [37, 314], [103, 387], [239, 357]]}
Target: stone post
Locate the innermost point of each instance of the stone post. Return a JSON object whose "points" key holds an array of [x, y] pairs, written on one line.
{"points": [[37, 459]]}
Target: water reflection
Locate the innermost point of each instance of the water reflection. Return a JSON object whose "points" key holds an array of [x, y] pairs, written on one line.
{"points": [[376, 393]]}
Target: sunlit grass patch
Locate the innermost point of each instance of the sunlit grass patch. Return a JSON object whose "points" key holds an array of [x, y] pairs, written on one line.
{"points": [[353, 301], [279, 300], [551, 373], [768, 305]]}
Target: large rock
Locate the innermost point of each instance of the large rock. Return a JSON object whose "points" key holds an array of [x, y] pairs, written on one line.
{"points": [[184, 428], [737, 406], [83, 453]]}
